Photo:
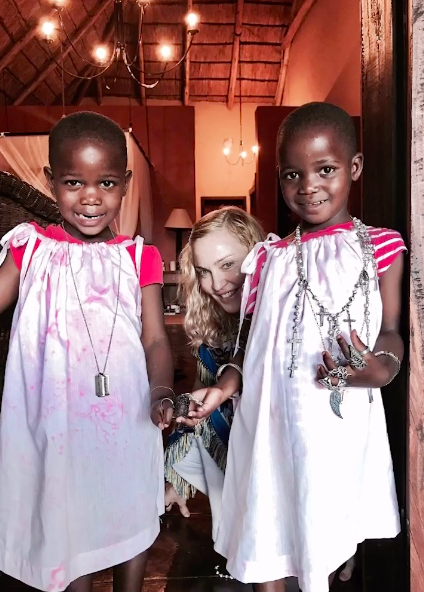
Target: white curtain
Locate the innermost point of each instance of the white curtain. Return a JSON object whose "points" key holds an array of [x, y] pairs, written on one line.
{"points": [[26, 157], [137, 207]]}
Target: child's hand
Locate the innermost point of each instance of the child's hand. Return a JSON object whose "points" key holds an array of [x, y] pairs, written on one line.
{"points": [[161, 413], [377, 373], [211, 399]]}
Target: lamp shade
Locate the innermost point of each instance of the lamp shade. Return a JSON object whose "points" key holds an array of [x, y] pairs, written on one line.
{"points": [[179, 219]]}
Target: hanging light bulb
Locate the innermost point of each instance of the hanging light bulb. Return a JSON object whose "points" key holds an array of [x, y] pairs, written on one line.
{"points": [[192, 21], [165, 52], [243, 154], [101, 54], [255, 149], [48, 30], [228, 143]]}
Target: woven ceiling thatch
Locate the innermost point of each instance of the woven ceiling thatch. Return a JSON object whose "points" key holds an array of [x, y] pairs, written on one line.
{"points": [[264, 30]]}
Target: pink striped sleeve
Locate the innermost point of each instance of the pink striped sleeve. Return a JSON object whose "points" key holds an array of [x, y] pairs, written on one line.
{"points": [[260, 262], [388, 245]]}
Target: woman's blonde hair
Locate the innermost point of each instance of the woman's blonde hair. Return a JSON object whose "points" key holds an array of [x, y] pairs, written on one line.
{"points": [[205, 321]]}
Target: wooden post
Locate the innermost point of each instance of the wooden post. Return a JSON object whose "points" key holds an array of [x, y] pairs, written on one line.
{"points": [[416, 369], [236, 54], [186, 65]]}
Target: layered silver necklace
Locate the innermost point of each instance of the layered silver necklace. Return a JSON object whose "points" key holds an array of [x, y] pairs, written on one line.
{"points": [[321, 313]]}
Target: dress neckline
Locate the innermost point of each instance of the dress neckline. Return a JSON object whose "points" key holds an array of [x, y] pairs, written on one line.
{"points": [[59, 234]]}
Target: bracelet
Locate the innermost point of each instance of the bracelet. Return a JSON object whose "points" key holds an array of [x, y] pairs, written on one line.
{"points": [[167, 399], [393, 357], [168, 388], [229, 365]]}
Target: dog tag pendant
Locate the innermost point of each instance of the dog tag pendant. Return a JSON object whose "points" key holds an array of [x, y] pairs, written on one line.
{"points": [[102, 385]]}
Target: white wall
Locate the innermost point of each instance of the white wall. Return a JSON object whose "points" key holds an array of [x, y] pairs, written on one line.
{"points": [[325, 57], [214, 176]]}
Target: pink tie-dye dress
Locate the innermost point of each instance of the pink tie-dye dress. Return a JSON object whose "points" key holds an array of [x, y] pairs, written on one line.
{"points": [[81, 477]]}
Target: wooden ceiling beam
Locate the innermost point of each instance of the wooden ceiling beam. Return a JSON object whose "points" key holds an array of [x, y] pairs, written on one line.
{"points": [[10, 55], [186, 91], [143, 92], [297, 18], [60, 56], [90, 71], [236, 54]]}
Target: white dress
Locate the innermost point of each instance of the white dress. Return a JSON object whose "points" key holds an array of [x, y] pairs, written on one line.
{"points": [[81, 476], [304, 487]]}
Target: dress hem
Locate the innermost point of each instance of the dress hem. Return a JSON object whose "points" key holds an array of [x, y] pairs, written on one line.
{"points": [[58, 579]]}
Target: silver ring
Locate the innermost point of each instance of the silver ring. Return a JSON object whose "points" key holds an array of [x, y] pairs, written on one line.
{"points": [[365, 351], [340, 372], [356, 359]]}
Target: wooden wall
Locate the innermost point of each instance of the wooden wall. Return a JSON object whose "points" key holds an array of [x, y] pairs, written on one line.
{"points": [[416, 370], [166, 133]]}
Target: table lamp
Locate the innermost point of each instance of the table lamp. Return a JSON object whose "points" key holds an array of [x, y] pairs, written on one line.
{"points": [[179, 220]]}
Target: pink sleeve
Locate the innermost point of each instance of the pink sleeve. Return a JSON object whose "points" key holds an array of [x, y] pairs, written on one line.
{"points": [[260, 262], [388, 245], [151, 267]]}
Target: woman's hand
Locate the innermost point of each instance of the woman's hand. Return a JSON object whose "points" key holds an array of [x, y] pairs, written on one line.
{"points": [[161, 412], [378, 372], [211, 399]]}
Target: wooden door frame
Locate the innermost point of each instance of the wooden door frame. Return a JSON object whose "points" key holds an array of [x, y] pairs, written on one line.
{"points": [[386, 203], [416, 310]]}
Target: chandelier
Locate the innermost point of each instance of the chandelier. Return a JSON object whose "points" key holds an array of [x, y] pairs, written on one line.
{"points": [[105, 57], [228, 143]]}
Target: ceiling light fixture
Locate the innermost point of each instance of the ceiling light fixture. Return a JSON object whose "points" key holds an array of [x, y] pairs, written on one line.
{"points": [[105, 57]]}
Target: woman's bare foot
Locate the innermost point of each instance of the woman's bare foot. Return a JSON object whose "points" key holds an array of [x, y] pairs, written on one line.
{"points": [[347, 571], [172, 497]]}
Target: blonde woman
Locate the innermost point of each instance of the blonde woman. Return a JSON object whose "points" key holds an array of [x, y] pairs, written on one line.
{"points": [[211, 287]]}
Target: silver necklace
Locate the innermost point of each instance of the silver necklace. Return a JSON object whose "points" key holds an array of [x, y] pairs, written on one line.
{"points": [[334, 319], [101, 379]]}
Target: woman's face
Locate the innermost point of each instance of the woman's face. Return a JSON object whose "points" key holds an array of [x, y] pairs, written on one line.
{"points": [[218, 257]]}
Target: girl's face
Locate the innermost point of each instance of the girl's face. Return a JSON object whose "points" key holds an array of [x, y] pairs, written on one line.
{"points": [[89, 180], [218, 257], [316, 172]]}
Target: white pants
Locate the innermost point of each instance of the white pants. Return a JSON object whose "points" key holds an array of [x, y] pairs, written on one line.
{"points": [[201, 471]]}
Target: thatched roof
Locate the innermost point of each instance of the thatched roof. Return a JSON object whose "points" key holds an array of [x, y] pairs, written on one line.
{"points": [[30, 76]]}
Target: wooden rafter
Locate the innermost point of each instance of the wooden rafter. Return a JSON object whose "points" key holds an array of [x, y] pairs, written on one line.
{"points": [[60, 56], [10, 55], [236, 54], [186, 94], [297, 18], [142, 76], [90, 71]]}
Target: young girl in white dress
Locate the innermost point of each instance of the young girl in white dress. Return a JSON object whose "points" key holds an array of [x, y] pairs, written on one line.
{"points": [[309, 472], [81, 462]]}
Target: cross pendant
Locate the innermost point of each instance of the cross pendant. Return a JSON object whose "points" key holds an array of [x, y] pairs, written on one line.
{"points": [[294, 345], [349, 320], [292, 367], [322, 314]]}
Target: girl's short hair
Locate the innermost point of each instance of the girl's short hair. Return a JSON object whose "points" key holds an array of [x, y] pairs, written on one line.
{"points": [[205, 321]]}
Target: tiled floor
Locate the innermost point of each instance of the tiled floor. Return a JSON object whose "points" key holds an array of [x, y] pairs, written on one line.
{"points": [[183, 559]]}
